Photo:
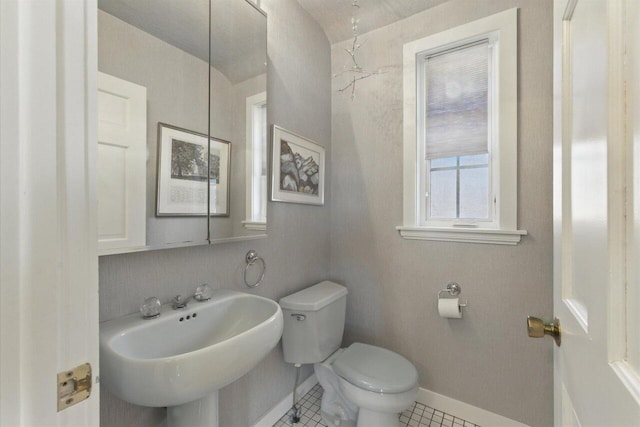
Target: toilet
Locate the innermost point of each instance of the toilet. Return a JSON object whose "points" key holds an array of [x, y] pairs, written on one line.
{"points": [[364, 385]]}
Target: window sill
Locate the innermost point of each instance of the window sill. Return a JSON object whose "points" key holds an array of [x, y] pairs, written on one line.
{"points": [[466, 235], [255, 225]]}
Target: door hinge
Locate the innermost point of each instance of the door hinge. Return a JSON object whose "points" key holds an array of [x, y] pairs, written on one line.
{"points": [[74, 386]]}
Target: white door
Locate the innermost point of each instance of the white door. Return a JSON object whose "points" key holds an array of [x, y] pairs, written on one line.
{"points": [[48, 255], [596, 215], [122, 164]]}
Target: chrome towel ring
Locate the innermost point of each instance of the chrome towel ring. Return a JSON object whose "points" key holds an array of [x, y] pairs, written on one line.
{"points": [[251, 258]]}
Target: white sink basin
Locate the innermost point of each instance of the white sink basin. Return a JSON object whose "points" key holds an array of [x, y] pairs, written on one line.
{"points": [[187, 354]]}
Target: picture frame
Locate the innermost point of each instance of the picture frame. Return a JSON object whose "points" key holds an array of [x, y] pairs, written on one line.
{"points": [[297, 168], [184, 173]]}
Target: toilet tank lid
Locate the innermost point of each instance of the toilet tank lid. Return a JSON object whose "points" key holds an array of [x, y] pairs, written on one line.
{"points": [[314, 297]]}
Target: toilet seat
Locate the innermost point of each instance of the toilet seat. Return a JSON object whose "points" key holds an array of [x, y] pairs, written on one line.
{"points": [[375, 369]]}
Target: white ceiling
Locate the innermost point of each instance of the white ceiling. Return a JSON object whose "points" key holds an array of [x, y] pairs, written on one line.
{"points": [[334, 16]]}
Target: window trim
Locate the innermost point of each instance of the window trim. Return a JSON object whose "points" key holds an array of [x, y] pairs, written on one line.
{"points": [[251, 222], [504, 25]]}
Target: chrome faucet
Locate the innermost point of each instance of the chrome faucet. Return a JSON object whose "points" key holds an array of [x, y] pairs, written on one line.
{"points": [[179, 302], [203, 293]]}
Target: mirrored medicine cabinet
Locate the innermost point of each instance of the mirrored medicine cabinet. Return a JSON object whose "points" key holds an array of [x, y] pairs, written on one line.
{"points": [[182, 123]]}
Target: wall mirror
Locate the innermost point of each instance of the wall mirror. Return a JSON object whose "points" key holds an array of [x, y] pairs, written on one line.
{"points": [[173, 152], [239, 115]]}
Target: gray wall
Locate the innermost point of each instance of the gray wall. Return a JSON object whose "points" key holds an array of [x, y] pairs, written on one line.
{"points": [[486, 358], [296, 251]]}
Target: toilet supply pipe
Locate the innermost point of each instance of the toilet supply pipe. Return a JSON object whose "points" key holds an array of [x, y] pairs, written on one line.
{"points": [[295, 411]]}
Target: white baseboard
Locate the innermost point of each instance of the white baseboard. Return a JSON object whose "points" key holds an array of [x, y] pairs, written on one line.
{"points": [[464, 410], [438, 401], [271, 417]]}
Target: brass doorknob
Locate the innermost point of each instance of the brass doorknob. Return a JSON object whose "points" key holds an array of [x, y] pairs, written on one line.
{"points": [[538, 329]]}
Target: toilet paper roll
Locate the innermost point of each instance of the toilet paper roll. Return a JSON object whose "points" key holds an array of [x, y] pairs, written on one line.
{"points": [[449, 308]]}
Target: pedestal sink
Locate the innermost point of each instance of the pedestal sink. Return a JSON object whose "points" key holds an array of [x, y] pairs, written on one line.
{"points": [[182, 358]]}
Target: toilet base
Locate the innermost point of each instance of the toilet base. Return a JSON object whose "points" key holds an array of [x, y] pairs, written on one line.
{"points": [[332, 420], [378, 409], [369, 418]]}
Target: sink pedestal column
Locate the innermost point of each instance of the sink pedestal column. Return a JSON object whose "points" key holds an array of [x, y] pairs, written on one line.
{"points": [[199, 413]]}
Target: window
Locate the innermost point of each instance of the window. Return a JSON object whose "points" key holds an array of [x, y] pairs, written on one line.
{"points": [[256, 113], [458, 189], [460, 133], [455, 85]]}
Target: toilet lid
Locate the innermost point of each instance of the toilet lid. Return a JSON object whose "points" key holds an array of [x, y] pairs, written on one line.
{"points": [[376, 369]]}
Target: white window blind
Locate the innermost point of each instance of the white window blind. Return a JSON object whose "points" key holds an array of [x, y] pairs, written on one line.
{"points": [[457, 85]]}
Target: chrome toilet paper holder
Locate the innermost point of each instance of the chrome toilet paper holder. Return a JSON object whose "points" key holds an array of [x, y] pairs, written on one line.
{"points": [[453, 289]]}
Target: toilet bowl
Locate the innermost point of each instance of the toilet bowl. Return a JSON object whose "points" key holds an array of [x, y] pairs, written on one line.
{"points": [[364, 385], [379, 384]]}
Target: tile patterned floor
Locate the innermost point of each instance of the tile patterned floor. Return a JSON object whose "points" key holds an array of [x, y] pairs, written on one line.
{"points": [[310, 411], [418, 415], [421, 415]]}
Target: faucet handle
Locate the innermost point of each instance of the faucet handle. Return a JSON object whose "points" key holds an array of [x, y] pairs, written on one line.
{"points": [[203, 293], [150, 308], [179, 302]]}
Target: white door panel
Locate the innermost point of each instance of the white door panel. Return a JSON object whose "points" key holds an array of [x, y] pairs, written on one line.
{"points": [[122, 163], [48, 256], [594, 383], [633, 125]]}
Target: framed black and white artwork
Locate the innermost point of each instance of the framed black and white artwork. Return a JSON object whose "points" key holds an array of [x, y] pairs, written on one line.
{"points": [[298, 169], [184, 173]]}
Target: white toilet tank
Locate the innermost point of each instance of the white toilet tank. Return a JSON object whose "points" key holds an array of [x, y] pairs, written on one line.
{"points": [[313, 322]]}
